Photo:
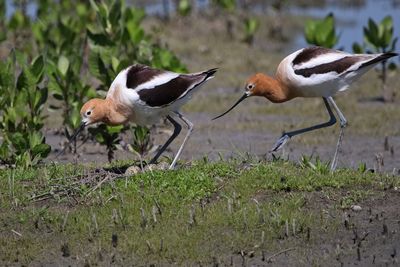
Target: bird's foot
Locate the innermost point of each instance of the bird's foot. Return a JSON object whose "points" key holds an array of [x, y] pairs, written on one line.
{"points": [[280, 143]]}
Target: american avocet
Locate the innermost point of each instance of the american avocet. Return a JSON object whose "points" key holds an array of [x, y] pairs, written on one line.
{"points": [[312, 72], [144, 95]]}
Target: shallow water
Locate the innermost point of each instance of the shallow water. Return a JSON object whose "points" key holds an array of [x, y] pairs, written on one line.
{"points": [[351, 19]]}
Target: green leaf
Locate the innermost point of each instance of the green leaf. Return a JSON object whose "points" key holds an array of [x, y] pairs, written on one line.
{"points": [[331, 39], [94, 5], [58, 97], [100, 138], [103, 10], [114, 129], [63, 65], [387, 22], [115, 13], [357, 48], [37, 68], [18, 20], [100, 39], [184, 7], [373, 32], [309, 31], [41, 99], [41, 150], [115, 64], [22, 81], [136, 33], [18, 141], [35, 138], [75, 118], [226, 4], [251, 25]]}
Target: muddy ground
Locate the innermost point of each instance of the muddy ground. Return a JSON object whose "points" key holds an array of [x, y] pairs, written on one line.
{"points": [[369, 237]]}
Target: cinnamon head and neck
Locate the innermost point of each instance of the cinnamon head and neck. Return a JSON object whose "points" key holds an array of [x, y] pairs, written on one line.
{"points": [[266, 86]]}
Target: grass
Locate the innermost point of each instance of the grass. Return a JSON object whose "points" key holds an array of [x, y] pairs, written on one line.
{"points": [[200, 213]]}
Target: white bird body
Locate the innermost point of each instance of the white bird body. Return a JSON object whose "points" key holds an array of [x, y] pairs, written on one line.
{"points": [[144, 95], [141, 112], [322, 72]]}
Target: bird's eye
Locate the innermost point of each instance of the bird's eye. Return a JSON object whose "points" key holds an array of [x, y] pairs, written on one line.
{"points": [[250, 86], [88, 113]]}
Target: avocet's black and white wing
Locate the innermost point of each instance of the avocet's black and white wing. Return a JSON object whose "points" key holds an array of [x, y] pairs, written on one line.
{"points": [[318, 67], [158, 88]]}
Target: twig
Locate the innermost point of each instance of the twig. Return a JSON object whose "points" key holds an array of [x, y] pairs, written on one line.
{"points": [[269, 259], [15, 232], [65, 221], [98, 185]]}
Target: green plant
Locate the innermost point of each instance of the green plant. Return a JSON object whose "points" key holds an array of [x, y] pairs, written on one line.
{"points": [[140, 140], [362, 167], [379, 38], [321, 32], [226, 4], [251, 26], [184, 7], [319, 166], [21, 104], [107, 136], [64, 46]]}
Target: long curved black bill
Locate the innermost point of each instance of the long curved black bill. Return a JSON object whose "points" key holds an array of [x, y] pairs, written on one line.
{"points": [[72, 138], [237, 103]]}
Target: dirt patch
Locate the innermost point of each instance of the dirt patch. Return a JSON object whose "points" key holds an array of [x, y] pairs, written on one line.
{"points": [[369, 237]]}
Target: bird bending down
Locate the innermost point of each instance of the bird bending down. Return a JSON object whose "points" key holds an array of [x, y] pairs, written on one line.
{"points": [[144, 95], [312, 72]]}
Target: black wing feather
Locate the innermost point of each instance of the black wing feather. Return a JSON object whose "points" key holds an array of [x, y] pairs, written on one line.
{"points": [[173, 90]]}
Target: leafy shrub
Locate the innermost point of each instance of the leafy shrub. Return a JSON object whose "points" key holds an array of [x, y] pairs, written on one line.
{"points": [[379, 38], [65, 46], [21, 104], [80, 39], [321, 32]]}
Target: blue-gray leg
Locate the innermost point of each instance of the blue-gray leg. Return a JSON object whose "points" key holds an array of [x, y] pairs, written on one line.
{"points": [[177, 130], [287, 135], [343, 124], [190, 130]]}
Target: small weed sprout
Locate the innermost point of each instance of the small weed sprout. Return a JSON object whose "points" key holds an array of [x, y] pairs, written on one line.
{"points": [[251, 26], [141, 142], [319, 166]]}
